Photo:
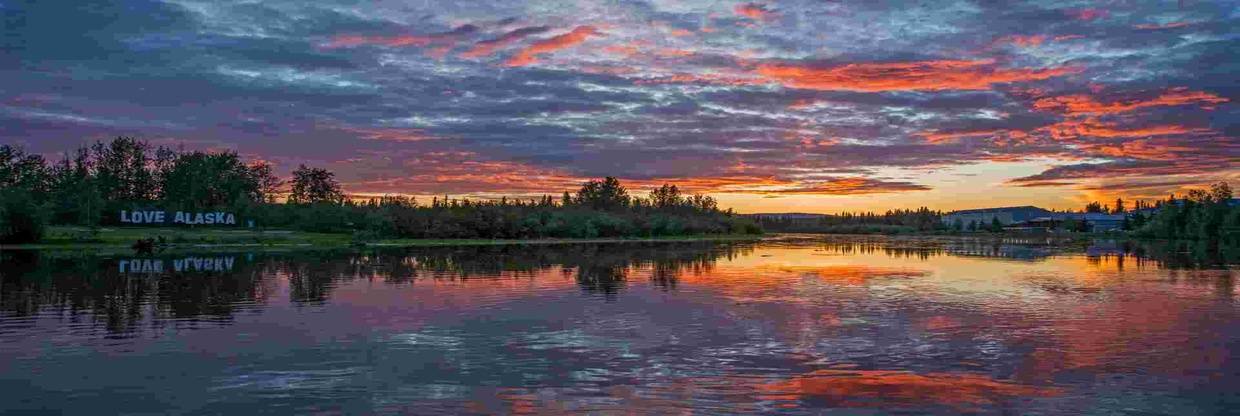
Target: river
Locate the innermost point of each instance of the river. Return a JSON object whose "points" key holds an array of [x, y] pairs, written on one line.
{"points": [[793, 324]]}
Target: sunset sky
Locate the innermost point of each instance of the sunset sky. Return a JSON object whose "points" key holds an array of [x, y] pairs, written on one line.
{"points": [[809, 106]]}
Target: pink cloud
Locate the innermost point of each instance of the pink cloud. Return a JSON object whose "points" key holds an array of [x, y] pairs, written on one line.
{"points": [[529, 54]]}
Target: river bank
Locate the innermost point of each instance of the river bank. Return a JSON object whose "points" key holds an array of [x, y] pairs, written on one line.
{"points": [[123, 238]]}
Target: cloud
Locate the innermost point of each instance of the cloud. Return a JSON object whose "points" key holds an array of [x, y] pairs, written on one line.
{"points": [[951, 137], [529, 54], [1087, 14], [1150, 26], [354, 40], [489, 46], [839, 186], [1130, 168], [1024, 40], [802, 110], [903, 76], [1085, 104], [435, 171], [755, 11], [1075, 129], [389, 134]]}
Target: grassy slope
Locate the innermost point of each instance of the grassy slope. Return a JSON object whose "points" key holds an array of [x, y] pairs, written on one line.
{"points": [[124, 237]]}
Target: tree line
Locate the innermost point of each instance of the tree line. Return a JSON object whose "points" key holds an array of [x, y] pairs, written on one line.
{"points": [[90, 185], [1202, 214], [898, 221], [1209, 215]]}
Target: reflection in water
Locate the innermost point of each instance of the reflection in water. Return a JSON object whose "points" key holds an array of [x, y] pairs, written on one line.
{"points": [[858, 388], [121, 289], [792, 325]]}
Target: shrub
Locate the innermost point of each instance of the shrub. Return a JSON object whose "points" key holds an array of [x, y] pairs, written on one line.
{"points": [[21, 220]]}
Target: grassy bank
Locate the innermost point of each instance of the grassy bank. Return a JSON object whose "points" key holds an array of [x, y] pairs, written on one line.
{"points": [[117, 238]]}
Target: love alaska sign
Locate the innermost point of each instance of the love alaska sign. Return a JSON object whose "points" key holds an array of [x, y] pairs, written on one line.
{"points": [[178, 217]]}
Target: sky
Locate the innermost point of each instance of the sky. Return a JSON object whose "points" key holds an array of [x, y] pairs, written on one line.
{"points": [[775, 106]]}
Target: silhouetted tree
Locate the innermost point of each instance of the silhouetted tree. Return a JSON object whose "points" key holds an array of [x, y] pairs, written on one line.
{"points": [[122, 171], [207, 180], [606, 194], [314, 185], [666, 196], [22, 171], [268, 185]]}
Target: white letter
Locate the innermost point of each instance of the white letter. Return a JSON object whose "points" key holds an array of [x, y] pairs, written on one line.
{"points": [[124, 216]]}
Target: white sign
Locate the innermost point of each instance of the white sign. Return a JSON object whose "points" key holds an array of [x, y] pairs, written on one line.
{"points": [[178, 217], [188, 264]]}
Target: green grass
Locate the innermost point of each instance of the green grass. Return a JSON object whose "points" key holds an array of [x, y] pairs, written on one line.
{"points": [[114, 238]]}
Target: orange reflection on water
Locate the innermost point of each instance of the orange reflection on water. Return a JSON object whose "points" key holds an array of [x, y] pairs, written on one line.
{"points": [[854, 388], [749, 394], [854, 274]]}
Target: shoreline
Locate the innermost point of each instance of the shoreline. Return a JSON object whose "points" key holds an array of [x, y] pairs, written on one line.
{"points": [[111, 239], [121, 239]]}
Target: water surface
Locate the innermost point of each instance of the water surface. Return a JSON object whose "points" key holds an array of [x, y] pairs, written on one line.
{"points": [[792, 325]]}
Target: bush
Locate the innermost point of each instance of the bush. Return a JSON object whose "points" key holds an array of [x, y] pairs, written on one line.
{"points": [[21, 220]]}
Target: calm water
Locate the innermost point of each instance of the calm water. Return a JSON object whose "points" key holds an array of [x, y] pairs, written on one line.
{"points": [[792, 325]]}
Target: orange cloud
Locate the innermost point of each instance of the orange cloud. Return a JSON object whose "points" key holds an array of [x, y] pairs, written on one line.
{"points": [[529, 54], [672, 52], [624, 50], [903, 76], [1024, 40], [937, 137], [487, 47], [755, 11], [1138, 149], [464, 172], [394, 135], [1171, 25], [1074, 129], [838, 186], [1084, 104], [1087, 14], [802, 104]]}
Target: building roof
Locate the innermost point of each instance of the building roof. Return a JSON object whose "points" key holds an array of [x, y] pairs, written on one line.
{"points": [[787, 215], [1000, 209]]}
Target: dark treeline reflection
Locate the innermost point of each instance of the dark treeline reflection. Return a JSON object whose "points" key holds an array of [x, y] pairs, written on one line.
{"points": [[597, 268], [124, 292], [1141, 253], [121, 291]]}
